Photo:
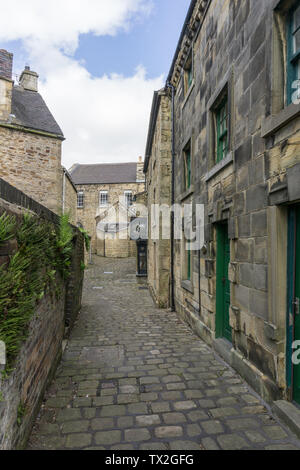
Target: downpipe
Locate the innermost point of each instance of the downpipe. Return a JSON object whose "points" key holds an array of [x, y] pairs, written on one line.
{"points": [[169, 85]]}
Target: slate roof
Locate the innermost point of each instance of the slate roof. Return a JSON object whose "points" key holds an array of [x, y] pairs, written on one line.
{"points": [[32, 112], [104, 173]]}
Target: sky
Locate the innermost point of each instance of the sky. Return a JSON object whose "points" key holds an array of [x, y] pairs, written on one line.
{"points": [[98, 62]]}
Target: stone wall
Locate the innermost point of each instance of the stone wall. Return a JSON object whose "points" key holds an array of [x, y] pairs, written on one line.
{"points": [[22, 391], [32, 163], [70, 203], [237, 47], [91, 210], [158, 179]]}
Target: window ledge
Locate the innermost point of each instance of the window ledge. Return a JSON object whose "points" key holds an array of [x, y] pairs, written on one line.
{"points": [[187, 193], [273, 123], [188, 286], [219, 167], [188, 94]]}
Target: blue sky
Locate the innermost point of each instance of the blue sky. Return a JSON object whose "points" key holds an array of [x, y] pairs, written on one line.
{"points": [[150, 42], [99, 63]]}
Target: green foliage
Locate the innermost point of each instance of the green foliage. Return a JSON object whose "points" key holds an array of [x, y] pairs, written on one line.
{"points": [[21, 413], [43, 251], [82, 266], [64, 245], [7, 227], [87, 238]]}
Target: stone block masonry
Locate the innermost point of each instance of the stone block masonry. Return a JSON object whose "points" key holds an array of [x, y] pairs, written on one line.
{"points": [[40, 178], [23, 390]]}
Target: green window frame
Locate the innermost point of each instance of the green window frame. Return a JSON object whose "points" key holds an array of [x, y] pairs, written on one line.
{"points": [[293, 55], [190, 76], [187, 167], [188, 73], [222, 130], [189, 265]]}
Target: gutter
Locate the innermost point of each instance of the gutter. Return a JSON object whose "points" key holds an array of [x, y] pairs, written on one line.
{"points": [[32, 131], [183, 31], [151, 130], [64, 191]]}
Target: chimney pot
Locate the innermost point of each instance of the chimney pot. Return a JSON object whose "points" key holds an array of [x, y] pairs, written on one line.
{"points": [[6, 64], [6, 84], [29, 79]]}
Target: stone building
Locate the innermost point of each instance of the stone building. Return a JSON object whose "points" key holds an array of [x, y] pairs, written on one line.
{"points": [[106, 194], [31, 141], [158, 170], [236, 118]]}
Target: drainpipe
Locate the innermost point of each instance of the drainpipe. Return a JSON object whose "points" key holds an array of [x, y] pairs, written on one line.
{"points": [[169, 85], [64, 191]]}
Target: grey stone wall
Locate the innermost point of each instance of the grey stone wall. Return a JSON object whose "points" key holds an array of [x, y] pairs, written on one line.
{"points": [[235, 46], [22, 391]]}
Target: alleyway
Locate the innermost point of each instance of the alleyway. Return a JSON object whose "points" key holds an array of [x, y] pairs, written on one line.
{"points": [[135, 377]]}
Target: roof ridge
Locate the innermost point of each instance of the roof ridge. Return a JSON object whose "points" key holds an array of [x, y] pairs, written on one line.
{"points": [[97, 164]]}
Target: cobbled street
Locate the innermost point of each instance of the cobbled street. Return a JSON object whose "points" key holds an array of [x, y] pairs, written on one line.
{"points": [[135, 377]]}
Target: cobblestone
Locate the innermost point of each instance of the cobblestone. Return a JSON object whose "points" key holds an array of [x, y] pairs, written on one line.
{"points": [[135, 377]]}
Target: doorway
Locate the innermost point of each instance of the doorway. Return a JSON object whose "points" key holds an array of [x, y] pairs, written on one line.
{"points": [[223, 328], [293, 317]]}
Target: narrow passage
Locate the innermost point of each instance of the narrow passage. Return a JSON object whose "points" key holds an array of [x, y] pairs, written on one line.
{"points": [[135, 377]]}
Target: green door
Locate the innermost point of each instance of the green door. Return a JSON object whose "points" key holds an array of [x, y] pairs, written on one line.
{"points": [[293, 324], [223, 328]]}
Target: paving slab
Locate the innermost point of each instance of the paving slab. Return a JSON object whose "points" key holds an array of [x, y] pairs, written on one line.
{"points": [[136, 377]]}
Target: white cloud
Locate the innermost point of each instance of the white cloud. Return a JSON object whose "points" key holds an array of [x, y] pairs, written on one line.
{"points": [[103, 118], [60, 22]]}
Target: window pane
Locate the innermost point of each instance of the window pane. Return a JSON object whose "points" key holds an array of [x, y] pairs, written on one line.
{"points": [[103, 199], [80, 198], [296, 19], [128, 199], [297, 41]]}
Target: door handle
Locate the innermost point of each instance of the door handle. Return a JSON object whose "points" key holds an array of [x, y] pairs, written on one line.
{"points": [[296, 304]]}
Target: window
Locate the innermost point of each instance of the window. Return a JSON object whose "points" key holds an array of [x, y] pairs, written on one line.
{"points": [[128, 198], [188, 73], [222, 130], [293, 41], [80, 200], [187, 155], [186, 259], [103, 198], [189, 265]]}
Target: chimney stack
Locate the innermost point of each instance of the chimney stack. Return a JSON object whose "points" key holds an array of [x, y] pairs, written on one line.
{"points": [[6, 84], [140, 177], [29, 80]]}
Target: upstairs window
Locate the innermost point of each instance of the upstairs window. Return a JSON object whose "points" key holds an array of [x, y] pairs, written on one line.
{"points": [[188, 265], [80, 200], [293, 42], [103, 198], [221, 116], [128, 198], [187, 156], [188, 73]]}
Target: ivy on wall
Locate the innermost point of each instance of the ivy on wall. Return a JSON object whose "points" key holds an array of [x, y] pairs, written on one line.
{"points": [[43, 252]]}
